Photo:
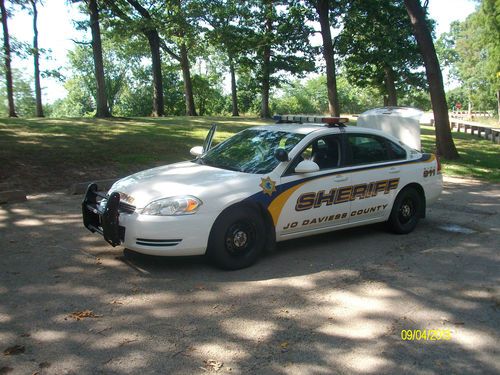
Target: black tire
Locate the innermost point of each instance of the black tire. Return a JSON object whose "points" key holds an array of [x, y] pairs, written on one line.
{"points": [[237, 238], [406, 211]]}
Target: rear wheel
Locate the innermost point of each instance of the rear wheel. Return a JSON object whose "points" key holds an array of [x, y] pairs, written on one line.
{"points": [[406, 211], [237, 238]]}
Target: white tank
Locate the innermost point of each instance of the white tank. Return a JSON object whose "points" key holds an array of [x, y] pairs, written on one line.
{"points": [[401, 122]]}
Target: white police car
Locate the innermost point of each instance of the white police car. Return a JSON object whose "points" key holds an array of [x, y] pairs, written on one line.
{"points": [[267, 184]]}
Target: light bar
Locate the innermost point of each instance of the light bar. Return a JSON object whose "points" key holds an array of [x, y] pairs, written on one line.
{"points": [[335, 120], [311, 119]]}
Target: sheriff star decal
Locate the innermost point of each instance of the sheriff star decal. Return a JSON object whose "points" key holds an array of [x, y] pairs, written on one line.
{"points": [[268, 186]]}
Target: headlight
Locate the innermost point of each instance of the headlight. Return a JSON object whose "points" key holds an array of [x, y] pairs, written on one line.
{"points": [[173, 206]]}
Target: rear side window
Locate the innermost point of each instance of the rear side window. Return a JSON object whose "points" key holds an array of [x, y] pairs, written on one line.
{"points": [[396, 152], [366, 149]]}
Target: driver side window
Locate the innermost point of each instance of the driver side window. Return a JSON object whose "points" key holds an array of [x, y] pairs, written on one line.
{"points": [[324, 151]]}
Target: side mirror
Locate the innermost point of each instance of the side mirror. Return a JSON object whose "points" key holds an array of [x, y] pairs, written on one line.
{"points": [[196, 151], [306, 166], [281, 154]]}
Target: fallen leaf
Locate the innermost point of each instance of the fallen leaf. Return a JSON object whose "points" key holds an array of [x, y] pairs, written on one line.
{"points": [[14, 350], [79, 315], [212, 365]]}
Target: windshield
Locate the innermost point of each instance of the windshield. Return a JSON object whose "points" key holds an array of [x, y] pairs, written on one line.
{"points": [[250, 151]]}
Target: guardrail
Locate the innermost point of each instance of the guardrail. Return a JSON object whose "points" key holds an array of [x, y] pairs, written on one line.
{"points": [[472, 114], [482, 131]]}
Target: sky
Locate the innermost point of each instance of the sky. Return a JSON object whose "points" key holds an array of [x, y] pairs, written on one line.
{"points": [[57, 32]]}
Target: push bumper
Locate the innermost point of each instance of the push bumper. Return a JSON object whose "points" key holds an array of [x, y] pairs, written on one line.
{"points": [[101, 214]]}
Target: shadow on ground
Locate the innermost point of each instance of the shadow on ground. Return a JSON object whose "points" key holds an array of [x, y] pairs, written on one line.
{"points": [[334, 303]]}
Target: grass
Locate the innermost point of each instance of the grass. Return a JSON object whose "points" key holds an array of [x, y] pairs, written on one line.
{"points": [[49, 154], [479, 157]]}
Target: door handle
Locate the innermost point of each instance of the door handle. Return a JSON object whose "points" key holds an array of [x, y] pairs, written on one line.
{"points": [[340, 178], [394, 170]]}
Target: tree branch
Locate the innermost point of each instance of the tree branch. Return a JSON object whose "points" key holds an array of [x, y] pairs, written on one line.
{"points": [[142, 11], [81, 43], [169, 51], [116, 10]]}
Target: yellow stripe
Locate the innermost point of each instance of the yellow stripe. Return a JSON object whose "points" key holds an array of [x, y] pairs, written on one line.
{"points": [[277, 205]]}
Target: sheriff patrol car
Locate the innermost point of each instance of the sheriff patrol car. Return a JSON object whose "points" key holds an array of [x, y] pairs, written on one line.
{"points": [[299, 177]]}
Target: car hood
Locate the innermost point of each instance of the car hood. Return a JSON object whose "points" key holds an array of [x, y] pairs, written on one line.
{"points": [[185, 178]]}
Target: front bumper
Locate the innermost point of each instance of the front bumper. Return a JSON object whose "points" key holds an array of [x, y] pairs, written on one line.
{"points": [[120, 224], [101, 214]]}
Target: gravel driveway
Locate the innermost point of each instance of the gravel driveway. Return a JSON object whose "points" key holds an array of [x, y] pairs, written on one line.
{"points": [[335, 303]]}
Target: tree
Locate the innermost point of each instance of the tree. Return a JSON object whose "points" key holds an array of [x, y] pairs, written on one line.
{"points": [[281, 40], [115, 67], [102, 109], [147, 26], [323, 12], [7, 59], [36, 63], [379, 48], [444, 141], [23, 94], [224, 30], [490, 11], [168, 27]]}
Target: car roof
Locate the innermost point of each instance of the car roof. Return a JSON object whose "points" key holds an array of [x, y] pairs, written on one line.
{"points": [[290, 128], [308, 128]]}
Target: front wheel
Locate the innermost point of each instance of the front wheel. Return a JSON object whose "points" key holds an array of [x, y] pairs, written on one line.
{"points": [[237, 238], [406, 211]]}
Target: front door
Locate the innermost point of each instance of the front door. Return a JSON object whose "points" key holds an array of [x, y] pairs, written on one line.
{"points": [[313, 202]]}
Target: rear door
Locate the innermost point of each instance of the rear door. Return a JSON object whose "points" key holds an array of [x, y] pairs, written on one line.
{"points": [[376, 175]]}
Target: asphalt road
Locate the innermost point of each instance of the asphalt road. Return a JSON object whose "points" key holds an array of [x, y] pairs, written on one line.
{"points": [[335, 303]]}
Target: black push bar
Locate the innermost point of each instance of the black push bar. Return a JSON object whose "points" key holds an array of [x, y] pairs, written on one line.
{"points": [[103, 219]]}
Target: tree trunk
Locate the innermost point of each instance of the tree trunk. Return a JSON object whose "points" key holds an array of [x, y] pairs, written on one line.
{"points": [[444, 141], [234, 92], [154, 45], [188, 85], [36, 56], [392, 99], [151, 33], [102, 102], [266, 62], [323, 9], [8, 70], [498, 105]]}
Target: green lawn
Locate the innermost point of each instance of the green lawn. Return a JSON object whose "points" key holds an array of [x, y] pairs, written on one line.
{"points": [[49, 154], [479, 158]]}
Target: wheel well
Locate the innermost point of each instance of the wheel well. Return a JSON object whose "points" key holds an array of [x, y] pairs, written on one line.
{"points": [[421, 192], [266, 216]]}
